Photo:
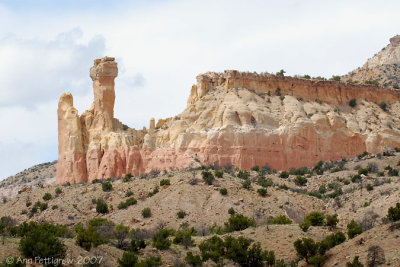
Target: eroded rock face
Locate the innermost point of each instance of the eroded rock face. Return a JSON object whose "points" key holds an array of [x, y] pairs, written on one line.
{"points": [[232, 118]]}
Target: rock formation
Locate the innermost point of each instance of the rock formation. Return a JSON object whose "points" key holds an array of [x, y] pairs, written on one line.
{"points": [[232, 118], [382, 68]]}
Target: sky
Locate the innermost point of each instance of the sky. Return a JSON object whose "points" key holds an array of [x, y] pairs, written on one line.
{"points": [[47, 48]]}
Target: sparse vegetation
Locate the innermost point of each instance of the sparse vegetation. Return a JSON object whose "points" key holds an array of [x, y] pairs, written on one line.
{"points": [[208, 177], [165, 182], [146, 213], [106, 186]]}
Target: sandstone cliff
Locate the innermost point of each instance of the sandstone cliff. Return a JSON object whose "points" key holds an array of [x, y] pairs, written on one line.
{"points": [[232, 118]]}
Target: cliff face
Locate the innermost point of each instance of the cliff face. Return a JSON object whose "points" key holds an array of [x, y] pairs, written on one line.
{"points": [[232, 118]]}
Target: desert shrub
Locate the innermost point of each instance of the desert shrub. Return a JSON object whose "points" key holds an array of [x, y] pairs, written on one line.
{"points": [[355, 263], [219, 173], [120, 233], [160, 239], [39, 242], [299, 171], [353, 229], [54, 207], [356, 178], [128, 259], [375, 256], [353, 102], [304, 226], [246, 184], [333, 240], [28, 203], [231, 211], [322, 189], [394, 213], [383, 106], [137, 244], [380, 174], [165, 182], [212, 248], [255, 168], [284, 174], [146, 212], [372, 167], [193, 260], [184, 237], [332, 220], [101, 206], [208, 177], [363, 171], [223, 191], [155, 191], [125, 204], [47, 196], [236, 249], [300, 180], [238, 222], [393, 172], [262, 192], [96, 181], [281, 219], [129, 193], [58, 191], [181, 214], [127, 178], [317, 260], [306, 248], [370, 187], [315, 218], [243, 175], [264, 182], [106, 186]]}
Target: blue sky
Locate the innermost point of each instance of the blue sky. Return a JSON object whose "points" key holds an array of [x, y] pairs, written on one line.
{"points": [[47, 48]]}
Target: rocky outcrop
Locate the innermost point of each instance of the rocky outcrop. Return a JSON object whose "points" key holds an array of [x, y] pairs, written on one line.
{"points": [[232, 118], [382, 68]]}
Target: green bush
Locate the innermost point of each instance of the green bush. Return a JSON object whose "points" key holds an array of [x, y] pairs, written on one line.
{"points": [[393, 172], [300, 181], [96, 233], [160, 239], [281, 219], [39, 241], [356, 178], [262, 192], [184, 237], [47, 196], [333, 240], [58, 191], [137, 244], [236, 249], [353, 102], [255, 168], [129, 193], [146, 213], [127, 178], [394, 213], [231, 211], [246, 184], [238, 222], [219, 173], [265, 182], [155, 191], [363, 171], [128, 259], [370, 187], [322, 189], [315, 218], [125, 204], [243, 175], [106, 186], [300, 171], [181, 214], [193, 260], [208, 177], [353, 229], [165, 182], [332, 220], [284, 174], [223, 191], [355, 263], [54, 207], [304, 226], [380, 174], [212, 248], [306, 248], [101, 206], [383, 106]]}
